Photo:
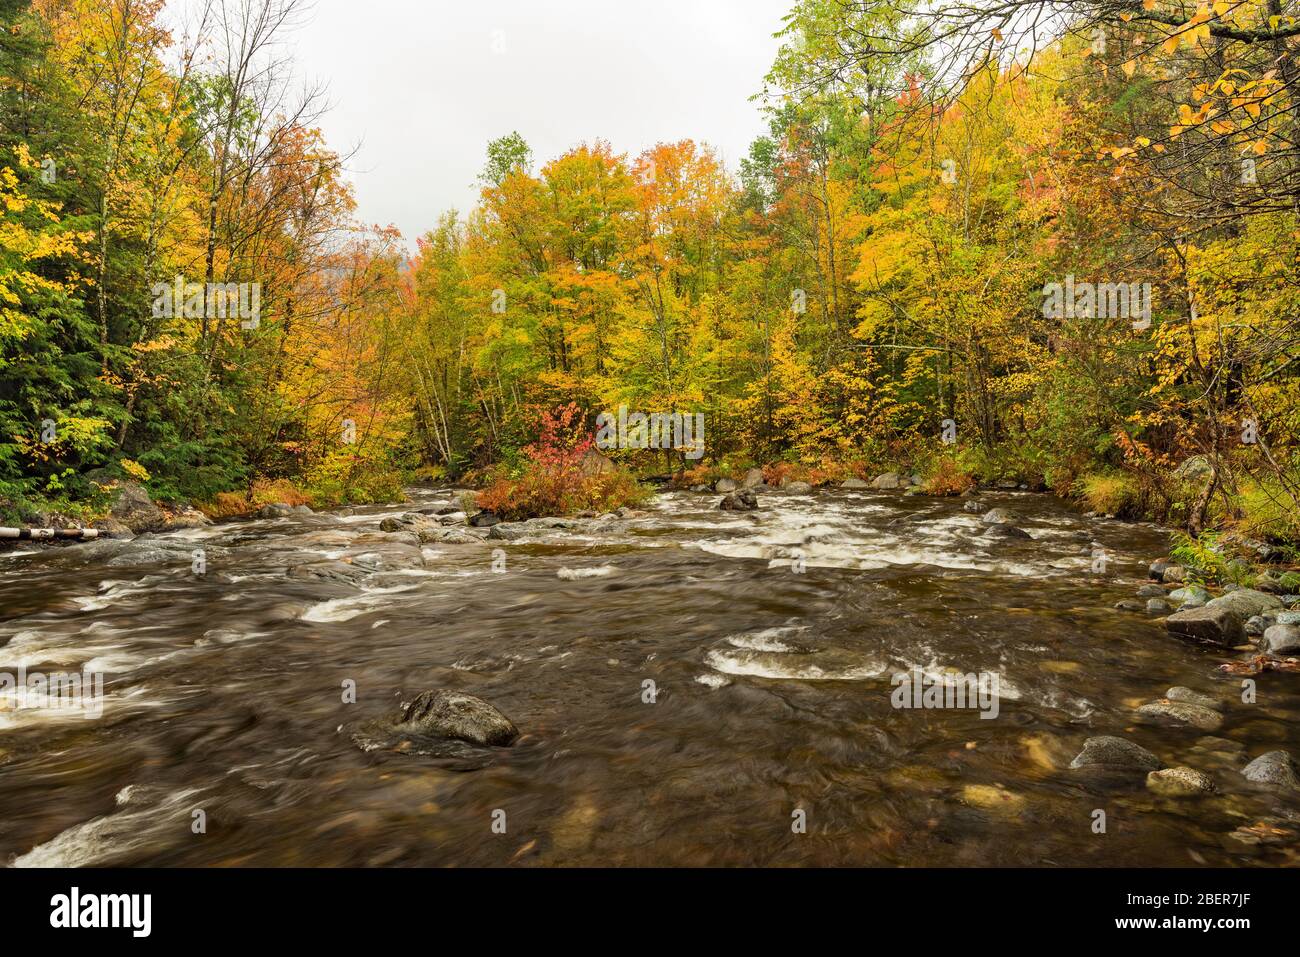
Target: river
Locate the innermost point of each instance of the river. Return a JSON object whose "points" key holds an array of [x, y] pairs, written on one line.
{"points": [[691, 687]]}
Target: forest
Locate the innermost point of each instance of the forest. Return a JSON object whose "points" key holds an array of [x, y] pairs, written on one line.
{"points": [[1040, 243]]}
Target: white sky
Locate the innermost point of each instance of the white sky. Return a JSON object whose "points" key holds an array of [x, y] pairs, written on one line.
{"points": [[418, 88]]}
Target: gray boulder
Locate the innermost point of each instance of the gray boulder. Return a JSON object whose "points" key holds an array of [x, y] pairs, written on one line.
{"points": [[1006, 530], [742, 500], [753, 478], [483, 520], [1275, 769], [724, 485], [1281, 640], [1109, 753], [508, 531], [998, 516], [797, 488], [1188, 696], [1181, 713], [854, 483], [133, 507], [1158, 606], [1245, 602], [1216, 626], [889, 480], [453, 714]]}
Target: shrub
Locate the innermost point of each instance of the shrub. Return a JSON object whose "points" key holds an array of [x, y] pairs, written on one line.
{"points": [[947, 477], [553, 481], [1112, 493]]}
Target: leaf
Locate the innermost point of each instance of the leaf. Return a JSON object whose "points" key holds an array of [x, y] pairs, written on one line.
{"points": [[1129, 67]]}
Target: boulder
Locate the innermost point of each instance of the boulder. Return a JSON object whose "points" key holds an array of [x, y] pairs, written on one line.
{"points": [[508, 531], [594, 463], [797, 488], [1109, 753], [889, 480], [854, 483], [1158, 606], [1151, 591], [1281, 640], [453, 714], [742, 500], [998, 516], [1274, 769], [111, 528], [1188, 696], [275, 510], [1180, 782], [724, 485], [1006, 530], [329, 571], [1180, 713], [449, 536], [1157, 569], [133, 507], [1216, 626], [483, 520], [973, 506], [1245, 602], [753, 478], [1175, 574], [1130, 604], [1190, 593]]}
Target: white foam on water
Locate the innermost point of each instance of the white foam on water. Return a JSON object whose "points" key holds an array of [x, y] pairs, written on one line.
{"points": [[817, 666], [102, 838], [345, 609], [713, 681], [769, 639], [573, 574]]}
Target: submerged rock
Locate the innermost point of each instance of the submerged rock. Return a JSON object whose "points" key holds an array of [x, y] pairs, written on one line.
{"points": [[743, 500], [1211, 624], [1158, 606], [454, 714], [1274, 769], [1180, 782], [1109, 753]]}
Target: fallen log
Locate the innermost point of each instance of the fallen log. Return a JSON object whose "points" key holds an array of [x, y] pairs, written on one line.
{"points": [[48, 534]]}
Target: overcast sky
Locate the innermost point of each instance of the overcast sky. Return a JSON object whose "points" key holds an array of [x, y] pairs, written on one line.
{"points": [[420, 86]]}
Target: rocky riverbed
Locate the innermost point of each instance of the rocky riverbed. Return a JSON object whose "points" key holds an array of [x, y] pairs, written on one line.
{"points": [[678, 684]]}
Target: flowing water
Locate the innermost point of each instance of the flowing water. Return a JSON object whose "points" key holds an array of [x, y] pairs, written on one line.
{"points": [[770, 638]]}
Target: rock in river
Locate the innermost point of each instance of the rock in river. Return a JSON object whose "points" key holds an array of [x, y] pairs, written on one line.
{"points": [[1006, 530], [1245, 602], [1281, 640], [743, 500], [1213, 624], [1109, 753], [1180, 782], [1274, 769], [1188, 696], [998, 516], [1179, 712], [453, 714], [724, 485]]}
